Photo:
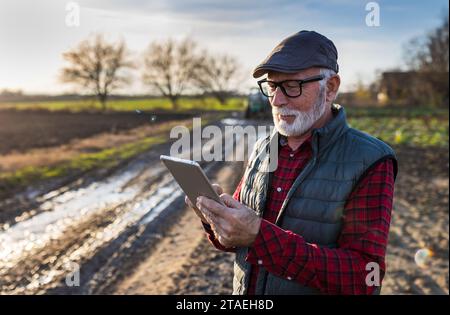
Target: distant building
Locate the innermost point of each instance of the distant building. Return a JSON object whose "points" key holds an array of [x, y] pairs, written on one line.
{"points": [[413, 88]]}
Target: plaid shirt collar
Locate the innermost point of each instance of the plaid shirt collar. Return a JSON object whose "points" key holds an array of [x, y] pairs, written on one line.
{"points": [[283, 141]]}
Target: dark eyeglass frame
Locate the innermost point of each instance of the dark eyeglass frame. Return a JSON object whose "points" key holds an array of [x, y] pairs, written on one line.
{"points": [[280, 85]]}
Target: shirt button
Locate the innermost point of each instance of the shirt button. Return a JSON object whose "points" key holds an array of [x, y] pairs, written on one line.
{"points": [[291, 155], [289, 278], [279, 189], [260, 262]]}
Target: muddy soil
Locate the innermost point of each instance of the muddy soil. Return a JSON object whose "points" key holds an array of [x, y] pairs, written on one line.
{"points": [[21, 131]]}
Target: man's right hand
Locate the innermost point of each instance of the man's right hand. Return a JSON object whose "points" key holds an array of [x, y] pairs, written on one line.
{"points": [[218, 190]]}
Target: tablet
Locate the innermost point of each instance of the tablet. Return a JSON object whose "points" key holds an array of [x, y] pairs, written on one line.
{"points": [[191, 178]]}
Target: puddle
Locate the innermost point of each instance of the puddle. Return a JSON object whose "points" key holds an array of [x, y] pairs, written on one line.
{"points": [[66, 210]]}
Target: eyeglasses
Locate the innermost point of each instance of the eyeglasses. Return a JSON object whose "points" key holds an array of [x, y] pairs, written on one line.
{"points": [[290, 88]]}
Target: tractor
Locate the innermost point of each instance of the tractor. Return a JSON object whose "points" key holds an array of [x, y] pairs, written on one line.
{"points": [[258, 105]]}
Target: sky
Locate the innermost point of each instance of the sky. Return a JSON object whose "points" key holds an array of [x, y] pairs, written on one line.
{"points": [[34, 33]]}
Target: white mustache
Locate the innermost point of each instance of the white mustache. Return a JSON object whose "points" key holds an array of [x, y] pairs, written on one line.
{"points": [[285, 111]]}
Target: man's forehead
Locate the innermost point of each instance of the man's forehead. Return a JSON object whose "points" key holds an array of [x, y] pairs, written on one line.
{"points": [[275, 75]]}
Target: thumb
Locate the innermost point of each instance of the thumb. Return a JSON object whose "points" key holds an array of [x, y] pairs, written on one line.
{"points": [[217, 188], [230, 201]]}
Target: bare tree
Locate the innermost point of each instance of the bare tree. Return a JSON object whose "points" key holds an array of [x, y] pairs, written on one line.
{"points": [[216, 75], [97, 66], [428, 56], [430, 52], [168, 67]]}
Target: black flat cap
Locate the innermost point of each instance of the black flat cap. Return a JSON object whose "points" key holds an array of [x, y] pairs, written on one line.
{"points": [[300, 51]]}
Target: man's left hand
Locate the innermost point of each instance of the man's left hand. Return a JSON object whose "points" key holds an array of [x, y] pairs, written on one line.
{"points": [[234, 224]]}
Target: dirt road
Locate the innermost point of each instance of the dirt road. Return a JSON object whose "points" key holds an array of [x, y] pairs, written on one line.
{"points": [[103, 228]]}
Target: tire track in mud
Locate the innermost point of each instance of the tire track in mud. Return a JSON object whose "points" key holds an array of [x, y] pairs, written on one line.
{"points": [[38, 267], [104, 254], [177, 226], [173, 266]]}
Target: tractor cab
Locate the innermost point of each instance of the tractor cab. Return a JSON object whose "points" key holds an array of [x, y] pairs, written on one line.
{"points": [[258, 105]]}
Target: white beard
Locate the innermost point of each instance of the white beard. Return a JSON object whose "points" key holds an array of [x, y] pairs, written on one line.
{"points": [[303, 120]]}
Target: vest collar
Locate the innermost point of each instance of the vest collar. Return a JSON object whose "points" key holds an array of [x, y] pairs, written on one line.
{"points": [[333, 130]]}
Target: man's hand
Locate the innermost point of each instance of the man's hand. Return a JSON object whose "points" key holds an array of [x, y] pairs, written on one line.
{"points": [[218, 190], [235, 225]]}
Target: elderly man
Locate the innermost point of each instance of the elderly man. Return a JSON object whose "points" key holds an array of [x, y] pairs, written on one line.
{"points": [[318, 223]]}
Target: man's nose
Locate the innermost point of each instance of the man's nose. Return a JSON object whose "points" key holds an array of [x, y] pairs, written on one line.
{"points": [[278, 98]]}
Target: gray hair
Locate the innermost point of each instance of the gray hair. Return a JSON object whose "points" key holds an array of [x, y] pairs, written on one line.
{"points": [[327, 73]]}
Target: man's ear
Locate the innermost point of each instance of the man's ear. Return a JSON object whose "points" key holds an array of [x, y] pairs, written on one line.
{"points": [[333, 84]]}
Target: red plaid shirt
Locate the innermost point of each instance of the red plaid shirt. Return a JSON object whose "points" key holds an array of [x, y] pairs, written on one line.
{"points": [[363, 238]]}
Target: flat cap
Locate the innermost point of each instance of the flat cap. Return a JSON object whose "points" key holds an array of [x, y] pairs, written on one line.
{"points": [[300, 51]]}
